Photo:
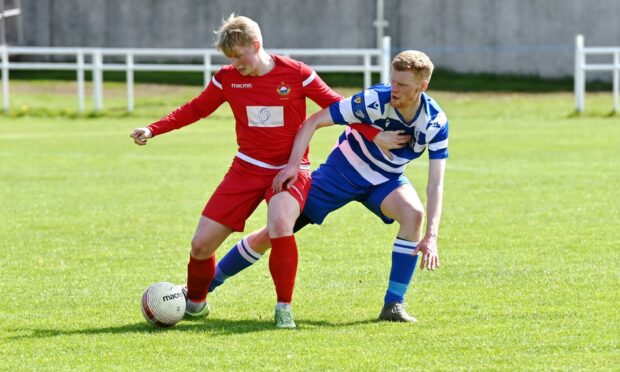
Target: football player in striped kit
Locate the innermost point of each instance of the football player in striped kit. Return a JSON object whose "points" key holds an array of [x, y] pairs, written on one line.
{"points": [[372, 172]]}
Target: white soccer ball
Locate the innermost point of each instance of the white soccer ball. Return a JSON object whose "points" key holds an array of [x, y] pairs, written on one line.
{"points": [[163, 304]]}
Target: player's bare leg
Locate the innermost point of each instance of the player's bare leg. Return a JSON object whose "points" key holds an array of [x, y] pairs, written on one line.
{"points": [[404, 206], [259, 240], [208, 237]]}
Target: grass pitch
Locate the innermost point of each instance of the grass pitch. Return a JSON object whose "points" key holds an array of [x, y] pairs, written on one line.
{"points": [[529, 279]]}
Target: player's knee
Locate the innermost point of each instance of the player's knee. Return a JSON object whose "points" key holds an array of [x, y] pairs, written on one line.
{"points": [[411, 216], [201, 248], [280, 225]]}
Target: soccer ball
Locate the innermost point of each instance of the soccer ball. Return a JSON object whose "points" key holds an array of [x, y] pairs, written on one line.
{"points": [[163, 304]]}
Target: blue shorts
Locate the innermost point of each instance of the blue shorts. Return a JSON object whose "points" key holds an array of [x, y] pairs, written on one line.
{"points": [[331, 190]]}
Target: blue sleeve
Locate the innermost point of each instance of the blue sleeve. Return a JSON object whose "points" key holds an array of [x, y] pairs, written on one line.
{"points": [[438, 146], [358, 108], [334, 111], [355, 109]]}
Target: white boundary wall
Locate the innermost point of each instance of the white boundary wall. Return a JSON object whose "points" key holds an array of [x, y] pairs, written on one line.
{"points": [[581, 67], [517, 37], [98, 65]]}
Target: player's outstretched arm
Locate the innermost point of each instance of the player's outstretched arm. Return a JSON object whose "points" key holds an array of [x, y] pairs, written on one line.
{"points": [[141, 135], [434, 197], [288, 175]]}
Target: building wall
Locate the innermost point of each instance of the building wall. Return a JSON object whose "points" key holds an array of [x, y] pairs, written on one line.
{"points": [[190, 23], [509, 36]]}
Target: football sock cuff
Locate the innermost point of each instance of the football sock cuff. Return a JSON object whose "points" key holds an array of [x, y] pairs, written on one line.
{"points": [[401, 273], [200, 273], [246, 251]]}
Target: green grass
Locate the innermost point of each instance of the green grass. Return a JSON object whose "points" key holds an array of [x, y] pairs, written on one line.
{"points": [[530, 272]]}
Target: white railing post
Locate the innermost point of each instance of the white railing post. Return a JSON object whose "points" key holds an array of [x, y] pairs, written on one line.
{"points": [[80, 80], [130, 67], [367, 72], [98, 79], [580, 85], [207, 71], [386, 60], [616, 82], [93, 59], [5, 78], [380, 23]]}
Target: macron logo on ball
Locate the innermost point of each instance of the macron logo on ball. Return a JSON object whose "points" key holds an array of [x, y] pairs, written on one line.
{"points": [[172, 296]]}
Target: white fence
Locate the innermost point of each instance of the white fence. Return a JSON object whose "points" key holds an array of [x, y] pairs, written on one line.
{"points": [[98, 65], [581, 52]]}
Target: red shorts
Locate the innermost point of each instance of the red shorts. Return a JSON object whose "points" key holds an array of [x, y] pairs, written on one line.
{"points": [[242, 190]]}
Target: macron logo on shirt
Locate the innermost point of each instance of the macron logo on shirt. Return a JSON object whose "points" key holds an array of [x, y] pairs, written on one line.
{"points": [[241, 86]]}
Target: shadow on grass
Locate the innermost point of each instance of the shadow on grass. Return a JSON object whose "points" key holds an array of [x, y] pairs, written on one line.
{"points": [[577, 114], [211, 326]]}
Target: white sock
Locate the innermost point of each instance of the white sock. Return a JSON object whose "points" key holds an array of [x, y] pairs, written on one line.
{"points": [[194, 307], [282, 305]]}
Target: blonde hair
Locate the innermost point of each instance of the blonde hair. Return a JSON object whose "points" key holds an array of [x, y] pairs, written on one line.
{"points": [[237, 31], [415, 61]]}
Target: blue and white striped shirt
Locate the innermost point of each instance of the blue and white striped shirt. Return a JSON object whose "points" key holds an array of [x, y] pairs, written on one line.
{"points": [[429, 128]]}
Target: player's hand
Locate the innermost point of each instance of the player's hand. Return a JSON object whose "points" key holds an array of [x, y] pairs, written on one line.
{"points": [[391, 139], [140, 135], [430, 254], [285, 178]]}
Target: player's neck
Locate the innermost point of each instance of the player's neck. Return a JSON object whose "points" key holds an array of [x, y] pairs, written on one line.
{"points": [[266, 63], [409, 111]]}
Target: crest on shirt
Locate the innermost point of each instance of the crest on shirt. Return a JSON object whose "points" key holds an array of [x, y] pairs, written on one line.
{"points": [[283, 89], [357, 100]]}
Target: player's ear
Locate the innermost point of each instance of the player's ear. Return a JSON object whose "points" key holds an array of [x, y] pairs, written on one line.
{"points": [[256, 45], [424, 85]]}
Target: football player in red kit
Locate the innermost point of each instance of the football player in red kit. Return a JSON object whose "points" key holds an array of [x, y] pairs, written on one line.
{"points": [[267, 94]]}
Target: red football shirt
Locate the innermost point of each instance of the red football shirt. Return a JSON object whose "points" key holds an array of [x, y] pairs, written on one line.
{"points": [[268, 109]]}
